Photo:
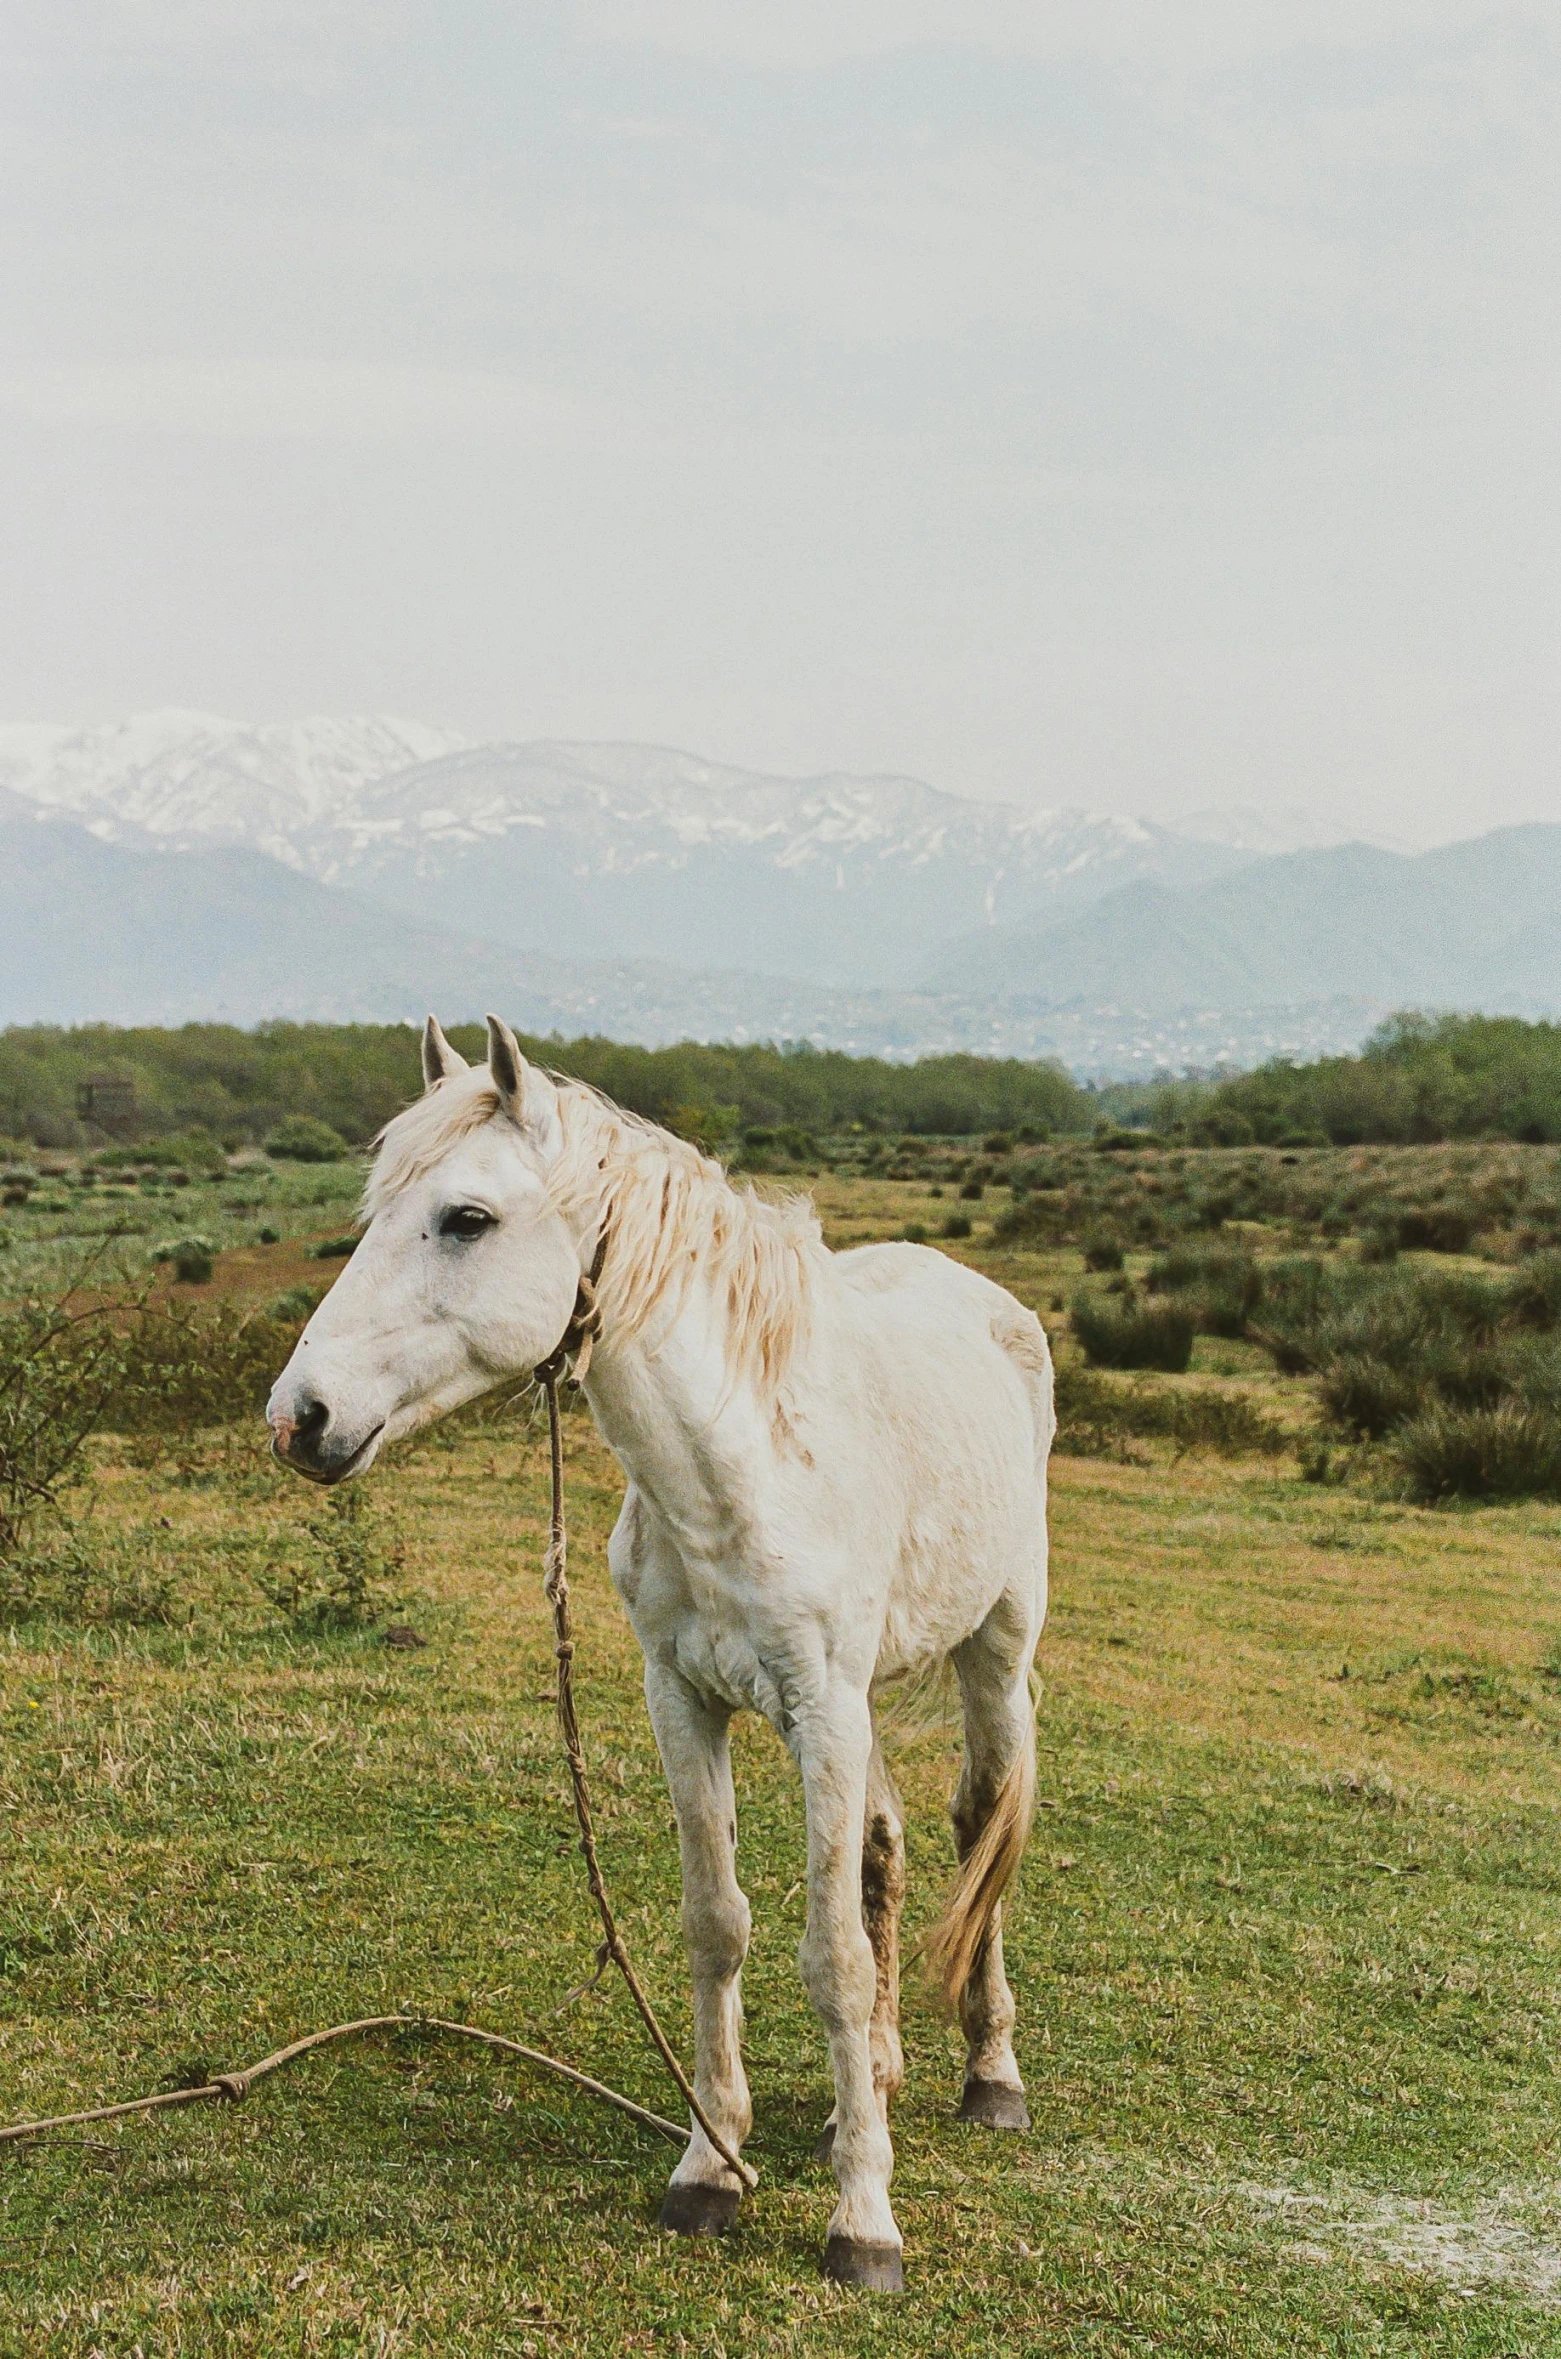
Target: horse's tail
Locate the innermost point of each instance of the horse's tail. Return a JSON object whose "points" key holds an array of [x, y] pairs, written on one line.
{"points": [[956, 1940]]}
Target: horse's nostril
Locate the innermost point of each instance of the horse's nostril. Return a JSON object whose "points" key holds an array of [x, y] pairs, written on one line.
{"points": [[308, 1425]]}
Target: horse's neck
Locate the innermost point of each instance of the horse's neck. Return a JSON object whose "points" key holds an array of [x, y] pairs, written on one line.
{"points": [[669, 1406]]}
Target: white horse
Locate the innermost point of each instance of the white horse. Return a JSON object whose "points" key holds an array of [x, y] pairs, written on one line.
{"points": [[836, 1475]]}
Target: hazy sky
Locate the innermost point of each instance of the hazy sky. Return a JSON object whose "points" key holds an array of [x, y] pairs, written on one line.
{"points": [[1142, 405]]}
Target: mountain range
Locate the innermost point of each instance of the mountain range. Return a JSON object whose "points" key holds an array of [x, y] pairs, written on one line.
{"points": [[617, 851], [177, 865]]}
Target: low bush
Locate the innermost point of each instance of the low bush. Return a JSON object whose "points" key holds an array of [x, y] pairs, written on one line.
{"points": [[1437, 1228], [1367, 1396], [1509, 1451], [345, 1574], [1103, 1250], [193, 1259], [955, 1224], [90, 1576], [297, 1305], [190, 1150], [60, 1368], [301, 1138], [1535, 1294], [1130, 1334], [183, 1368], [334, 1249], [1097, 1418], [1037, 1217], [1220, 1288]]}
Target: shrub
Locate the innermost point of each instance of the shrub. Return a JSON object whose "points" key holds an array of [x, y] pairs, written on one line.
{"points": [[1039, 1219], [301, 1138], [270, 1236], [192, 1258], [1221, 1289], [972, 1190], [184, 1366], [1511, 1451], [1103, 1250], [1369, 1396], [1535, 1295], [334, 1249], [59, 1369], [191, 1150], [914, 1232], [89, 1577], [955, 1224], [1134, 1335], [344, 1577], [1437, 1228], [1095, 1418], [298, 1303]]}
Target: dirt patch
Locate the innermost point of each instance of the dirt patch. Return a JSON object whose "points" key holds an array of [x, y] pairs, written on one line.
{"points": [[1487, 2246]]}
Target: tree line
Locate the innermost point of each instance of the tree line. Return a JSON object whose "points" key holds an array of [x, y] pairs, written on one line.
{"points": [[1419, 1078], [238, 1085]]}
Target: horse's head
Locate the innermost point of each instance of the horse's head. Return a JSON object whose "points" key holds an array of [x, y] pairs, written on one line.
{"points": [[466, 1274]]}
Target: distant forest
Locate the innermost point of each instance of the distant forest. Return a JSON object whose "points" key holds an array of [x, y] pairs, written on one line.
{"points": [[239, 1085], [1418, 1079]]}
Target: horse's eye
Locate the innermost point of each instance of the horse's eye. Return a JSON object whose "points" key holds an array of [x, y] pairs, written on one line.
{"points": [[465, 1221]]}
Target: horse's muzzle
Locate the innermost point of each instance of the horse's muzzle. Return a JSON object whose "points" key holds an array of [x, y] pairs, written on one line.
{"points": [[306, 1437]]}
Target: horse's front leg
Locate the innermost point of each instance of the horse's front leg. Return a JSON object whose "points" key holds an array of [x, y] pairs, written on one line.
{"points": [[692, 1737], [833, 1744]]}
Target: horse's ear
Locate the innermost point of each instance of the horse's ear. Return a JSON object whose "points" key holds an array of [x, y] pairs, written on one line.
{"points": [[508, 1068], [439, 1058], [526, 1095]]}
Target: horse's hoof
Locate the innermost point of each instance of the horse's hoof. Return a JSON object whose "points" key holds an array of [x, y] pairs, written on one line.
{"points": [[826, 2143], [995, 2104], [876, 2268], [698, 2211]]}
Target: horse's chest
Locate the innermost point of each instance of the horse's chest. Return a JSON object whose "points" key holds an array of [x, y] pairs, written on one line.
{"points": [[695, 1610]]}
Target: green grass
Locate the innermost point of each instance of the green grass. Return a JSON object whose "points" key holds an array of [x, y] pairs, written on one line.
{"points": [[1290, 1923], [1285, 1948], [43, 1244]]}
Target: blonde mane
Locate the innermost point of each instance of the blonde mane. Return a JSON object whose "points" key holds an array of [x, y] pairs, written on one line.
{"points": [[666, 1211]]}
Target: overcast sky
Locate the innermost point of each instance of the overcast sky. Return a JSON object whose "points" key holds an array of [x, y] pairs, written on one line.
{"points": [[1144, 405]]}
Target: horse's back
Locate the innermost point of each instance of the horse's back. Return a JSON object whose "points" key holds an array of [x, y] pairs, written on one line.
{"points": [[938, 1335], [916, 1293]]}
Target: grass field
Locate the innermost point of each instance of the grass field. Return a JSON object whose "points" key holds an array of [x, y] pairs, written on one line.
{"points": [[1286, 1947]]}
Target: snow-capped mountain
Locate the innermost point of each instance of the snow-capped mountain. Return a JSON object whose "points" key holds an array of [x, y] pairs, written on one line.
{"points": [[603, 851], [191, 778]]}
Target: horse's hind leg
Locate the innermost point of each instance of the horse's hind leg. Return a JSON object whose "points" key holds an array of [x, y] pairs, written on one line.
{"points": [[997, 1778], [883, 1895]]}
